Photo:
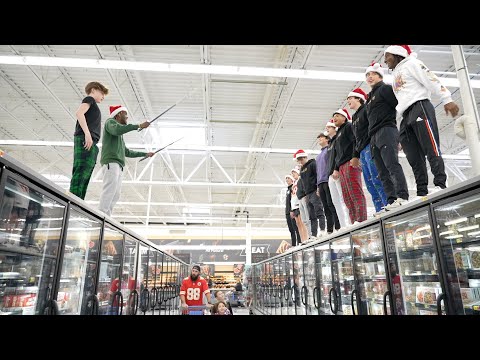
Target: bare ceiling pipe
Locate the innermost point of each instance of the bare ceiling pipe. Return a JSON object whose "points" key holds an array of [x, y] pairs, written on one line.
{"points": [[467, 126]]}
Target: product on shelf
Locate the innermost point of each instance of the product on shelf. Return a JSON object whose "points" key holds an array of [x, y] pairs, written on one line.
{"points": [[461, 259], [427, 295]]}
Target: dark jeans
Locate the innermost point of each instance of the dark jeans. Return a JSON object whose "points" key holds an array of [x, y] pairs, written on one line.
{"points": [[330, 212], [315, 210], [292, 227]]}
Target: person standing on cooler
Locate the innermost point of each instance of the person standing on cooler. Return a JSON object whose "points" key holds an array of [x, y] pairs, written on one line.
{"points": [[413, 85], [192, 289]]}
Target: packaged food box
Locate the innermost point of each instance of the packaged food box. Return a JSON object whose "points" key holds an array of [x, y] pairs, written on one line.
{"points": [[468, 295], [347, 310], [375, 309], [409, 239], [475, 259], [461, 259], [427, 295], [427, 312]]}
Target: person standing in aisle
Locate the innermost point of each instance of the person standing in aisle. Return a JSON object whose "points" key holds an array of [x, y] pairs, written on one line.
{"points": [[292, 226], [413, 84], [308, 174], [350, 177], [113, 155], [86, 137], [384, 138], [334, 184], [361, 150], [193, 288], [322, 184], [302, 203]]}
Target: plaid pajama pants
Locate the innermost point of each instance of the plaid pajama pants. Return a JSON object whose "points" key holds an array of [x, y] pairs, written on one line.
{"points": [[351, 181], [83, 164]]}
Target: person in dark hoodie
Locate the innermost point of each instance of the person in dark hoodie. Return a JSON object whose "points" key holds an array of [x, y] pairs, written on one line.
{"points": [[308, 173], [292, 226], [384, 137], [350, 177], [302, 202], [361, 150]]}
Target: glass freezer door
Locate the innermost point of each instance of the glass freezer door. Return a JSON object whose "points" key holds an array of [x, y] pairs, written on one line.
{"points": [[307, 292], [79, 266], [109, 274], [30, 231], [298, 283], [342, 271], [324, 276], [458, 228], [371, 279], [288, 288], [413, 264]]}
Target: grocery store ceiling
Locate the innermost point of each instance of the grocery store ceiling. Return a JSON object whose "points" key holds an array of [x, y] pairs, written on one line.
{"points": [[239, 129]]}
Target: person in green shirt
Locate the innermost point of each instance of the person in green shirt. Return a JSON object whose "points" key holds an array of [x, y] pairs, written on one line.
{"points": [[113, 155]]}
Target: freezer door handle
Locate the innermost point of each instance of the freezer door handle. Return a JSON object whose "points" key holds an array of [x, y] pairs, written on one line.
{"points": [[94, 304], [286, 293], [387, 293], [316, 295], [51, 308], [144, 300], [352, 296], [439, 303], [334, 310], [118, 295], [302, 297], [153, 300]]}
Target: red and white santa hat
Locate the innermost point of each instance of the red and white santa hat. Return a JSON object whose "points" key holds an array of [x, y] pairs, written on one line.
{"points": [[299, 153], [289, 177], [402, 50], [359, 93], [375, 67], [296, 170], [115, 109], [330, 123], [343, 112]]}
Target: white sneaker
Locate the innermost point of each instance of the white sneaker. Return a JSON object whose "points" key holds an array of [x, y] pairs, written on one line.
{"points": [[379, 213], [417, 197], [435, 189], [355, 223], [397, 203]]}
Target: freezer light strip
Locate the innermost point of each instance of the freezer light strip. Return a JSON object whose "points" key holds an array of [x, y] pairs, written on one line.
{"points": [[453, 236], [456, 221], [468, 228], [446, 232], [474, 233]]}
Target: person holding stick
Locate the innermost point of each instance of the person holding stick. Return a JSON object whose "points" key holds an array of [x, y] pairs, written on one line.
{"points": [[113, 155]]}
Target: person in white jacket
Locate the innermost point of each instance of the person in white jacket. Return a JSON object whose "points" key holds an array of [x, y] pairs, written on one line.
{"points": [[413, 84]]}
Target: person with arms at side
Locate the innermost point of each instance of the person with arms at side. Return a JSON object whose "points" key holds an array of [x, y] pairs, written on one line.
{"points": [[193, 288], [295, 213], [308, 174], [361, 150], [292, 225], [384, 137], [350, 177], [113, 156], [334, 184], [86, 137], [413, 85], [323, 189]]}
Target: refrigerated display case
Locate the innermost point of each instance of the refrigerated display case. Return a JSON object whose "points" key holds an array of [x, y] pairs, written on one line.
{"points": [[79, 264], [458, 230], [324, 279], [342, 276], [412, 258], [108, 290], [371, 284], [298, 284], [310, 281], [31, 223]]}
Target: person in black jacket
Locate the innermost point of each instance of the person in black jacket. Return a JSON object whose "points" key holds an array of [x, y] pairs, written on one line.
{"points": [[308, 173], [292, 226], [350, 177], [361, 150], [384, 137], [304, 214]]}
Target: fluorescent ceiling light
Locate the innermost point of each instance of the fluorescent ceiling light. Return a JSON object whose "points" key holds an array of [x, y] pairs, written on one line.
{"points": [[199, 69], [201, 247], [226, 205], [195, 218]]}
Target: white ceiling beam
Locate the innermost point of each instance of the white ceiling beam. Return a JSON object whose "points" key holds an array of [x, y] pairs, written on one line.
{"points": [[200, 69], [221, 168], [181, 149], [195, 169]]}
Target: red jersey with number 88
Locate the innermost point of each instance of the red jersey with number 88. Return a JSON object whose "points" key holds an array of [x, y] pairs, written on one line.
{"points": [[194, 290]]}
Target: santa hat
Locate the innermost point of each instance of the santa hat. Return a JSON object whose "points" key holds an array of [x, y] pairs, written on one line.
{"points": [[289, 177], [299, 153], [343, 112], [359, 93], [402, 50], [331, 124], [375, 67], [296, 170], [114, 110]]}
